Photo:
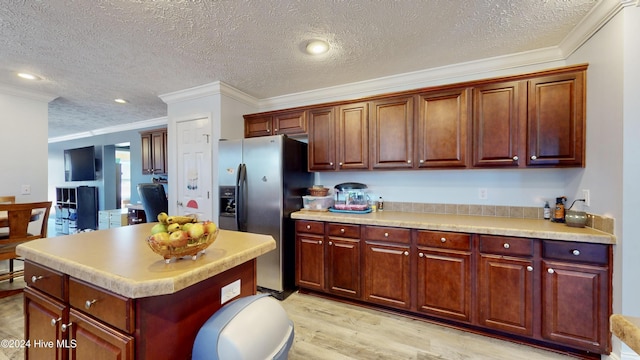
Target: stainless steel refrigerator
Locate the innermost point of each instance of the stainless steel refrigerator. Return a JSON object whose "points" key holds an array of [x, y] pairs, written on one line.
{"points": [[262, 181]]}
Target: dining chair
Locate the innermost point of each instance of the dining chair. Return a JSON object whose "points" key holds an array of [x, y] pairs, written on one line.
{"points": [[7, 199], [26, 222]]}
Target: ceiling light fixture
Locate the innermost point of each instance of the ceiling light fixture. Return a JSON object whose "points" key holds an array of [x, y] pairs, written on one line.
{"points": [[317, 47], [28, 76], [120, 101]]}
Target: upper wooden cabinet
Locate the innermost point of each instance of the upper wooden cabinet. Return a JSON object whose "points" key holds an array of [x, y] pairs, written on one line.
{"points": [[556, 120], [443, 127], [392, 132], [352, 134], [287, 122], [322, 145], [154, 152]]}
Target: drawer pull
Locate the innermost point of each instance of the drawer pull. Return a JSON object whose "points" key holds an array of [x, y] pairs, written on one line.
{"points": [[386, 234], [506, 245], [36, 278], [342, 231], [55, 321], [421, 254], [308, 227], [550, 271], [330, 243], [515, 158], [529, 268], [88, 303], [319, 242], [576, 252], [443, 240], [406, 253], [533, 157], [64, 327]]}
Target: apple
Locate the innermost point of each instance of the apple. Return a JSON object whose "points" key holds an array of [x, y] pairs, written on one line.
{"points": [[178, 238], [187, 226], [162, 238], [210, 227], [158, 228], [195, 231]]}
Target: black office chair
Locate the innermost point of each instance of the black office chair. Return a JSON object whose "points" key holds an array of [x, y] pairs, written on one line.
{"points": [[154, 200]]}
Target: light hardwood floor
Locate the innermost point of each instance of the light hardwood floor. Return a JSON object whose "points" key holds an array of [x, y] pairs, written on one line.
{"points": [[326, 329]]}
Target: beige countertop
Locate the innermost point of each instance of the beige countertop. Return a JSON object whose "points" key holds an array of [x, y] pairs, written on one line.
{"points": [[488, 225], [627, 329], [120, 260]]}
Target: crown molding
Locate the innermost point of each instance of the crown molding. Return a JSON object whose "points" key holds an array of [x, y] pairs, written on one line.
{"points": [[211, 89], [33, 95], [157, 122]]}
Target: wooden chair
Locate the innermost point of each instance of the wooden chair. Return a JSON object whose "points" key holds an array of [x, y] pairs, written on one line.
{"points": [[18, 219], [7, 199]]}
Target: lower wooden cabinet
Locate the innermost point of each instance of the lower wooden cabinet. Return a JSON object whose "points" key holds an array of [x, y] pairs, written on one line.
{"points": [[42, 310], [554, 293]]}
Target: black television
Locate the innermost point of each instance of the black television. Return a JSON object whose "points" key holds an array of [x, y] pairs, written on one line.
{"points": [[80, 164]]}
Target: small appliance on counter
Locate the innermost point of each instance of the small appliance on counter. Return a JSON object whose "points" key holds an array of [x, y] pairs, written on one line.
{"points": [[352, 198]]}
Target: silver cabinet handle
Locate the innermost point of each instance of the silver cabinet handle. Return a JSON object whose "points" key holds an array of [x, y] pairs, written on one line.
{"points": [[408, 161], [386, 234], [268, 130], [64, 327], [275, 130], [36, 278], [421, 161], [506, 245], [331, 163], [88, 303], [421, 254], [330, 243], [342, 231], [550, 271], [319, 242], [515, 158], [576, 252], [308, 227], [55, 321], [406, 253], [340, 163], [533, 157], [529, 268], [443, 240]]}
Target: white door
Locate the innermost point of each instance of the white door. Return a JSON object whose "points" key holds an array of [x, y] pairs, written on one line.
{"points": [[194, 168]]}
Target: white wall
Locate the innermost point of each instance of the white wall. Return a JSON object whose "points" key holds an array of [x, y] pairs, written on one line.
{"points": [[23, 145]]}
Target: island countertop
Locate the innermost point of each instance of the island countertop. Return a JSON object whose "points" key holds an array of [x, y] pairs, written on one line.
{"points": [[119, 259], [488, 225]]}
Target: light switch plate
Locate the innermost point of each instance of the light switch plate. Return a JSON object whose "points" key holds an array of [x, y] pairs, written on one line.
{"points": [[25, 190]]}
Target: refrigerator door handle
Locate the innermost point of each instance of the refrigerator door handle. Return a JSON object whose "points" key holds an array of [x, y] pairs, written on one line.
{"points": [[241, 210]]}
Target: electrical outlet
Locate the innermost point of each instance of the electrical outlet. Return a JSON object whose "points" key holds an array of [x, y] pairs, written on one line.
{"points": [[230, 291], [586, 196], [483, 194], [26, 190]]}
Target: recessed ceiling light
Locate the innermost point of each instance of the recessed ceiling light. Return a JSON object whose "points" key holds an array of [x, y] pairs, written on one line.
{"points": [[28, 76], [120, 101], [317, 47]]}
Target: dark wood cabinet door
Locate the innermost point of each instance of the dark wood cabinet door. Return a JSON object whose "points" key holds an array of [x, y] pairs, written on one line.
{"points": [[391, 124], [310, 261], [387, 274], [43, 318], [353, 136], [343, 265], [90, 339], [505, 294], [499, 124], [575, 305], [322, 146], [147, 160], [259, 125], [556, 120], [444, 283], [159, 152], [443, 128], [290, 123]]}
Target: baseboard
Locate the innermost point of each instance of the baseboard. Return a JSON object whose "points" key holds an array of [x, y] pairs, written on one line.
{"points": [[628, 354]]}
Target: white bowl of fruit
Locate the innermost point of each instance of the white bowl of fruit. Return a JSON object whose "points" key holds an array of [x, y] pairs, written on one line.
{"points": [[179, 236]]}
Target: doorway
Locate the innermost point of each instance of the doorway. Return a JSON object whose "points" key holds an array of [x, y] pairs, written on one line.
{"points": [[123, 174]]}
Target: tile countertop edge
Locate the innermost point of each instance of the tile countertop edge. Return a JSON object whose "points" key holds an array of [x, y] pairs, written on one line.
{"points": [[530, 228], [627, 329], [138, 289]]}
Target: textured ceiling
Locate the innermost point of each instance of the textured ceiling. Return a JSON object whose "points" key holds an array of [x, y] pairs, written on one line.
{"points": [[90, 52]]}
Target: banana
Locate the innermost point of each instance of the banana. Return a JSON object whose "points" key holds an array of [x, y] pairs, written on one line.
{"points": [[181, 219], [174, 227], [162, 217]]}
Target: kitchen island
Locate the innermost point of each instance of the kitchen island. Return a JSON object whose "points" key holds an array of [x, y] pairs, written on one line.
{"points": [[106, 293]]}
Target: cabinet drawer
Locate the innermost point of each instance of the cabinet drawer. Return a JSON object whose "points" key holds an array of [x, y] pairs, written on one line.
{"points": [[575, 251], [389, 234], [502, 245], [46, 280], [444, 240], [101, 304], [344, 230], [310, 227]]}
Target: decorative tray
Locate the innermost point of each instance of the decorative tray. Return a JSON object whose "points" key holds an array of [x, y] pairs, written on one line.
{"points": [[365, 211]]}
